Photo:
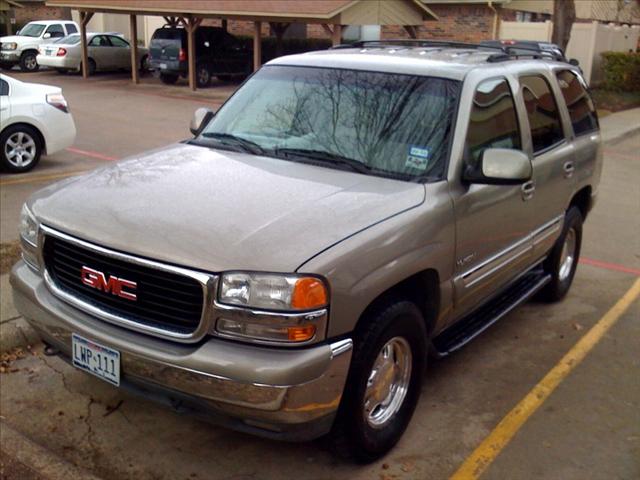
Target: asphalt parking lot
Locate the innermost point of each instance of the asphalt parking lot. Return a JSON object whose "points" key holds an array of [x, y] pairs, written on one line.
{"points": [[587, 428]]}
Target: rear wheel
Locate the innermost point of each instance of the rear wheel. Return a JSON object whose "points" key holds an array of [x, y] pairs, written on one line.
{"points": [[384, 382], [28, 62], [563, 259], [21, 148], [168, 79], [203, 75]]}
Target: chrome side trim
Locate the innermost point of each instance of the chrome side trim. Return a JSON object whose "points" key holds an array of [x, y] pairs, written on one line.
{"points": [[548, 229], [242, 314], [340, 347], [496, 262], [207, 281]]}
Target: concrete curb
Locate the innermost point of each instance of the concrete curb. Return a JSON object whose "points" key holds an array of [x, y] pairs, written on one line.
{"points": [[16, 333], [46, 464], [621, 136]]}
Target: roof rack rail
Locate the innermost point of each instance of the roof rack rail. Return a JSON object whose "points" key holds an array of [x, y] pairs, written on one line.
{"points": [[503, 52]]}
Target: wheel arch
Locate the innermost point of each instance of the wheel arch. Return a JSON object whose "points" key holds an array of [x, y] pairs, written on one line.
{"points": [[582, 200], [421, 288]]}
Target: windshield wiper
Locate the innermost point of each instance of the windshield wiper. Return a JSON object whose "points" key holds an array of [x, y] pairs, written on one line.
{"points": [[230, 139], [324, 157]]}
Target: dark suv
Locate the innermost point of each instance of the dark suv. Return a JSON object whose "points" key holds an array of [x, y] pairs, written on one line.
{"points": [[217, 53]]}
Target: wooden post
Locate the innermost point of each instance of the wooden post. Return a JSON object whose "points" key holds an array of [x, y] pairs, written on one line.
{"points": [[135, 61], [224, 24], [279, 29], [257, 45], [84, 20], [192, 24], [336, 36]]}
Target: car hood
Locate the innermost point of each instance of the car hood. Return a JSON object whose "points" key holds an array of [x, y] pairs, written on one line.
{"points": [[20, 39], [218, 210]]}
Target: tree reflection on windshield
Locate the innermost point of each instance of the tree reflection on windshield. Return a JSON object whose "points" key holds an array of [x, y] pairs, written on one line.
{"points": [[400, 124]]}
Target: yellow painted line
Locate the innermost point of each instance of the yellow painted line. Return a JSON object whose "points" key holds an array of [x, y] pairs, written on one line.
{"points": [[41, 178], [493, 444]]}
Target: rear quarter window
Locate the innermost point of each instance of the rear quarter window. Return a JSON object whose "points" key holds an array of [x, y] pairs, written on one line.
{"points": [[4, 88], [579, 103]]}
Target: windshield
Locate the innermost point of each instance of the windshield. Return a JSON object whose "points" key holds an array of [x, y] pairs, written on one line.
{"points": [[377, 123], [32, 30], [69, 39]]}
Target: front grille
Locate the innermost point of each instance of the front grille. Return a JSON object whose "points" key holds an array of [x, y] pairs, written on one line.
{"points": [[165, 300]]}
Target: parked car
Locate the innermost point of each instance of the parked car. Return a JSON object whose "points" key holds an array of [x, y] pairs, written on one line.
{"points": [[344, 214], [218, 53], [22, 48], [34, 120], [107, 51]]}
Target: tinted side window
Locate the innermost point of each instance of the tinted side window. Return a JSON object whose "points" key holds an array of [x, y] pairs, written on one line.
{"points": [[542, 110], [71, 28], [493, 122], [118, 42], [56, 31], [581, 110], [4, 87]]}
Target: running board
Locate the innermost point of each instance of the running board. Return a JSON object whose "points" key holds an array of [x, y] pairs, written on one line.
{"points": [[468, 328]]}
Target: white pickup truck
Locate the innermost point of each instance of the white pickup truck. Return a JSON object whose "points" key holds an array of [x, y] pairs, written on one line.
{"points": [[22, 48]]}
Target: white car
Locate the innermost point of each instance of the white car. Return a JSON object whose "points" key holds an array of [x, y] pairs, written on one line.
{"points": [[106, 51], [22, 48], [34, 120]]}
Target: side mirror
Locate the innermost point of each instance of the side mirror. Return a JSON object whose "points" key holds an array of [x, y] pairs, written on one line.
{"points": [[500, 166], [201, 117], [574, 62], [46, 35]]}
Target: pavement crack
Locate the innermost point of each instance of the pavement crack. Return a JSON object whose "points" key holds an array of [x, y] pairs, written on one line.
{"points": [[62, 376], [6, 320]]}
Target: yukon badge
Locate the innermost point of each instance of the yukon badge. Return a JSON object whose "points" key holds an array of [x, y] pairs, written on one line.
{"points": [[114, 285]]}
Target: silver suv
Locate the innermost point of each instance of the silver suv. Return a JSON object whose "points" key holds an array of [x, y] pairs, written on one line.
{"points": [[345, 215]]}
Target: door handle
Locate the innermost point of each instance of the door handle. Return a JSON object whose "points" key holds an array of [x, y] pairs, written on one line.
{"points": [[568, 168], [528, 189]]}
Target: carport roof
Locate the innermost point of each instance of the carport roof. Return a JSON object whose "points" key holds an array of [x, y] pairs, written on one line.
{"points": [[248, 9]]}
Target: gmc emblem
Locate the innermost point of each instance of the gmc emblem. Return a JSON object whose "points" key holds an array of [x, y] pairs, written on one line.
{"points": [[114, 285]]}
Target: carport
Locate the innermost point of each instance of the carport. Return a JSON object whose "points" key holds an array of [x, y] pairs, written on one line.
{"points": [[279, 14]]}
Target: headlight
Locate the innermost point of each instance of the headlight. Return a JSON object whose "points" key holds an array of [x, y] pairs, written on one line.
{"points": [[9, 46], [279, 309], [272, 291], [28, 227], [29, 236]]}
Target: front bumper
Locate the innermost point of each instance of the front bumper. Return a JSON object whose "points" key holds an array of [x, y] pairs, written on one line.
{"points": [[289, 394], [9, 56]]}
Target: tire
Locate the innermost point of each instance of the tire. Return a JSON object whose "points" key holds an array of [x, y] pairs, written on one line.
{"points": [[15, 159], [203, 75], [365, 433], [92, 67], [28, 62], [563, 259], [168, 79]]}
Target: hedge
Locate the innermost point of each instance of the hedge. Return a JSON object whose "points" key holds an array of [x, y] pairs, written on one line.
{"points": [[289, 45], [621, 71]]}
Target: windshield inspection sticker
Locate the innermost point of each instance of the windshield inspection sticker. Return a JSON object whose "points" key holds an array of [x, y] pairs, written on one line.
{"points": [[417, 157]]}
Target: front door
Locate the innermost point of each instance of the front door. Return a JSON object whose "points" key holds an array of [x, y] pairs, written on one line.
{"points": [[493, 222]]}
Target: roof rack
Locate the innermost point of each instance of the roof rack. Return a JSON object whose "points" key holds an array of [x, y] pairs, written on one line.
{"points": [[503, 52]]}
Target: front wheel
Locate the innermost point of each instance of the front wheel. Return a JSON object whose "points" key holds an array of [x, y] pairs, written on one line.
{"points": [[203, 75], [28, 62], [384, 382], [563, 259], [21, 148]]}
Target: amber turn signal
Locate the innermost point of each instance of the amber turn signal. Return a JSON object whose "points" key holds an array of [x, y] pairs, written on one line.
{"points": [[301, 333], [308, 293]]}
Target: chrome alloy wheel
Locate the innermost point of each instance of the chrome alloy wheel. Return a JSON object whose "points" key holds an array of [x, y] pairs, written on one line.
{"points": [[20, 149], [568, 255], [388, 382], [30, 62]]}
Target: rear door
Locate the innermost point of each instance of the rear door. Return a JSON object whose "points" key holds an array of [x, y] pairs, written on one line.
{"points": [[5, 103], [121, 52], [552, 156], [100, 51], [493, 222]]}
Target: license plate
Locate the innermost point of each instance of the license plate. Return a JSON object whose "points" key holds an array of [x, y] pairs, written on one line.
{"points": [[98, 360], [49, 52], [163, 66]]}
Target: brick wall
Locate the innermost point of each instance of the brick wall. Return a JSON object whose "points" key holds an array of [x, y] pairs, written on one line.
{"points": [[465, 23], [39, 11]]}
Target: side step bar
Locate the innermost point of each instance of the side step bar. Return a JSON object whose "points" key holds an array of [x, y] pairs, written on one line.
{"points": [[468, 328]]}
